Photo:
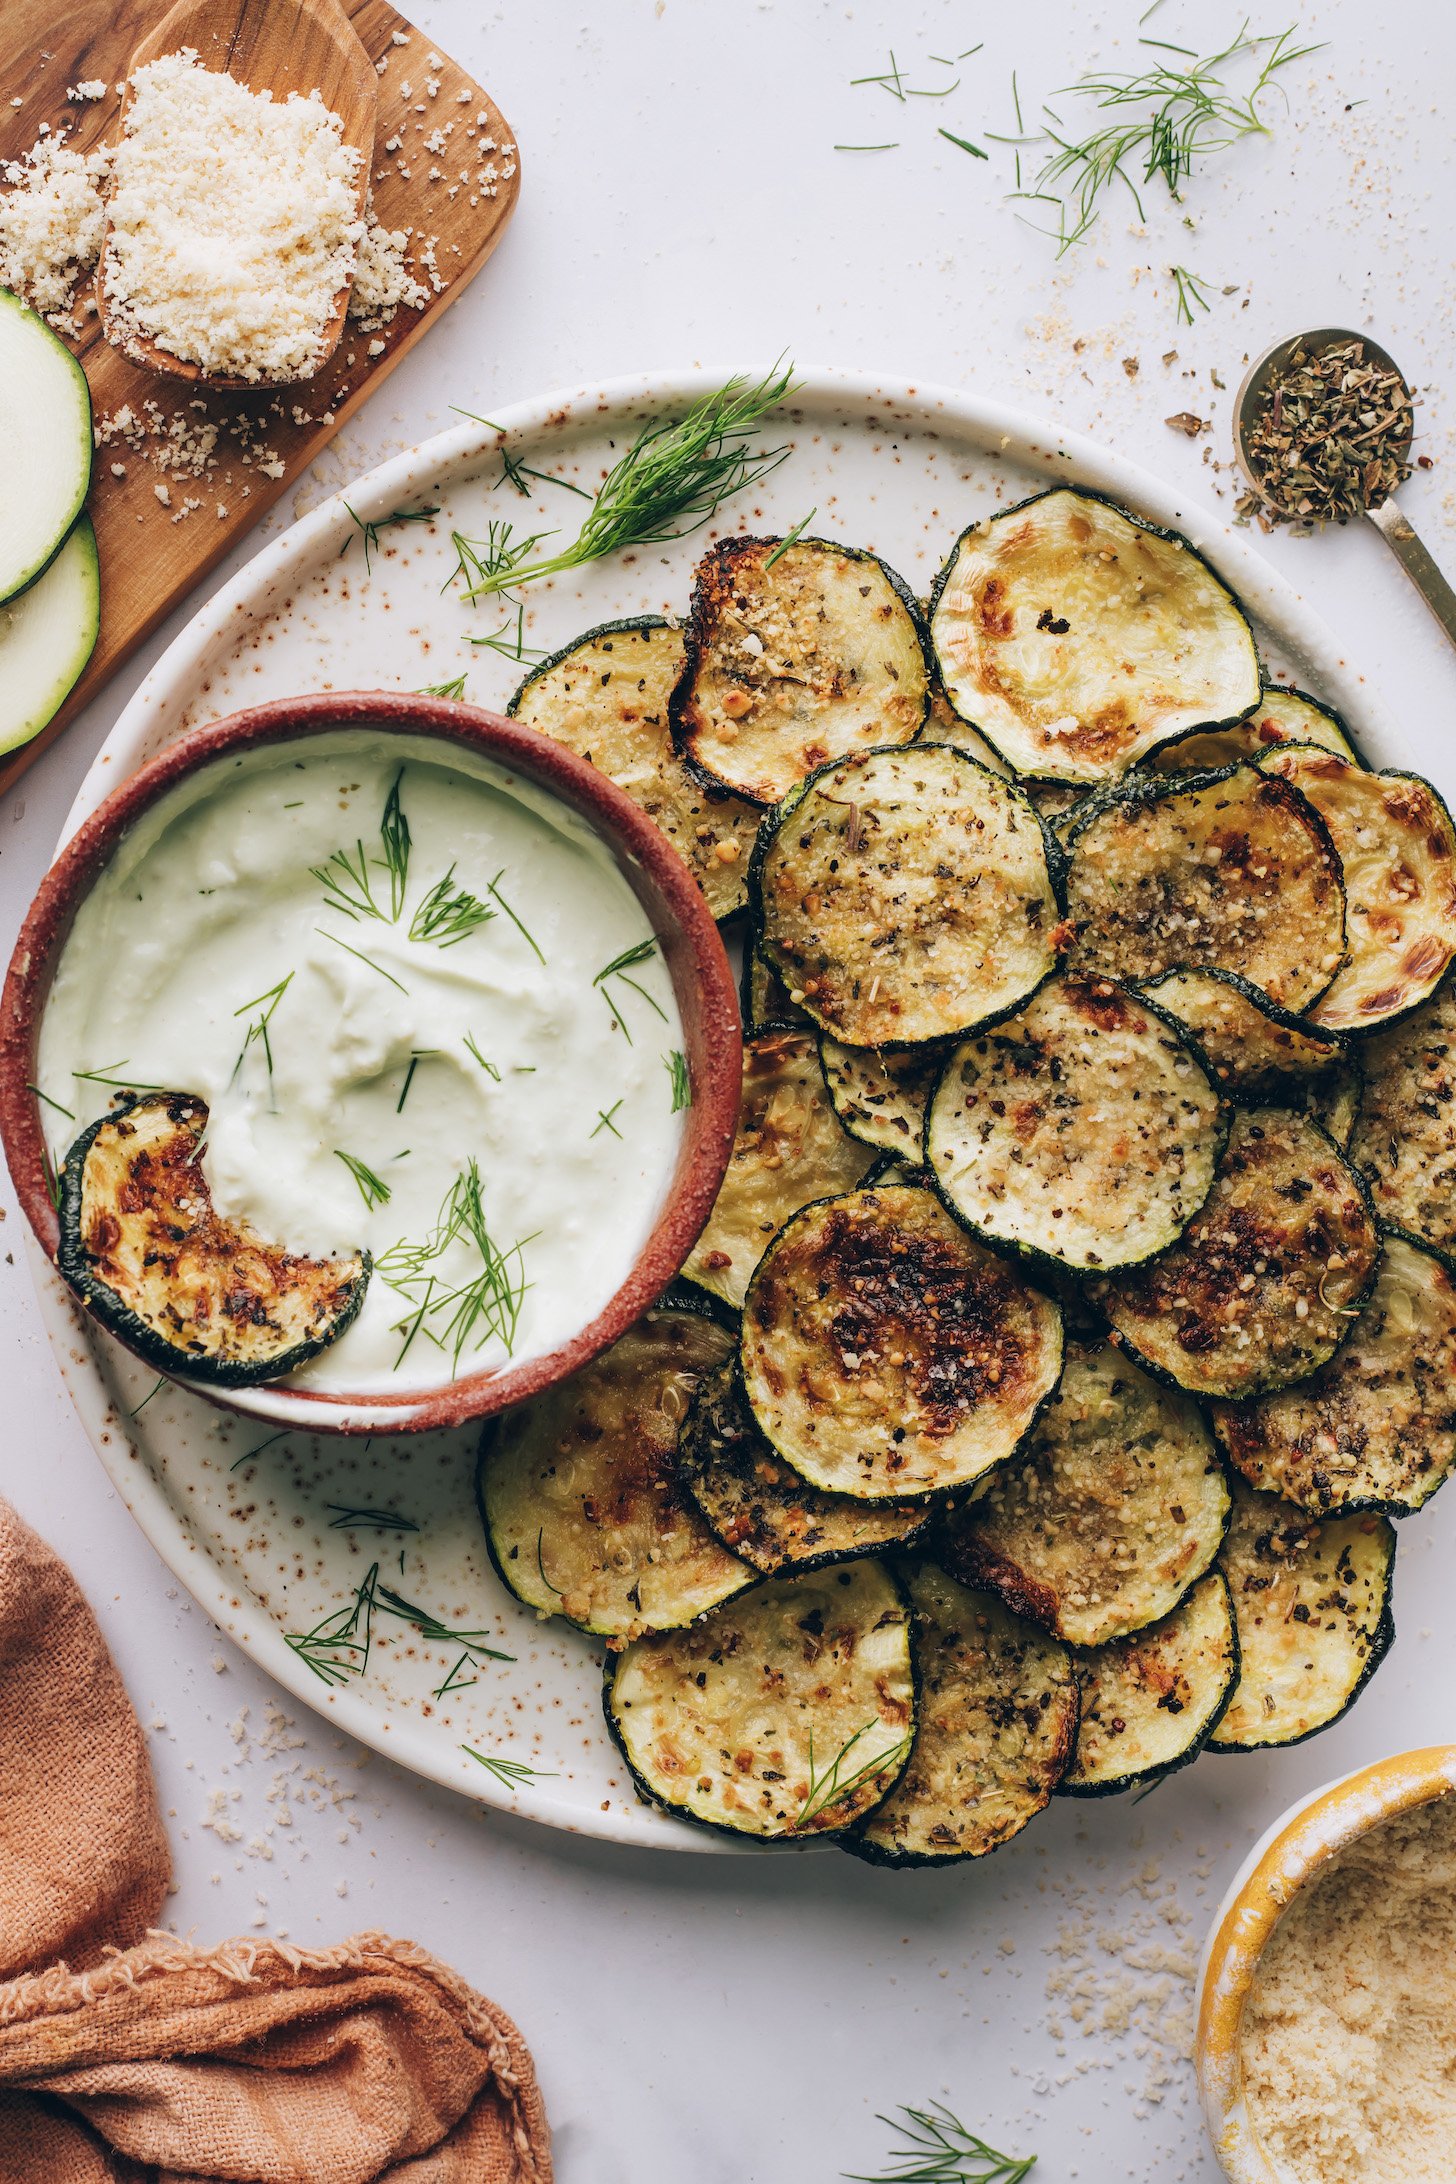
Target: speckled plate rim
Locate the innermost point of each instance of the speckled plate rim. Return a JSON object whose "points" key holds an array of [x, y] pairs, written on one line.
{"points": [[259, 588]]}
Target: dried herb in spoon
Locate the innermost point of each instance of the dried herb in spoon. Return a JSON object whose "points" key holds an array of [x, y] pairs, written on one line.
{"points": [[1331, 437]]}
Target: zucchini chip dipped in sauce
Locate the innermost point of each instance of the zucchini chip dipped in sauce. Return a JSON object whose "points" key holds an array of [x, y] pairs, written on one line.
{"points": [[880, 1094], [1404, 1140], [1260, 1054], [1151, 1702], [1281, 716], [144, 1248], [1076, 638], [785, 1714]]}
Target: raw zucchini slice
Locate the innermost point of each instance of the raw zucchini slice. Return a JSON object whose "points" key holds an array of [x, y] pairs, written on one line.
{"points": [[1281, 716], [763, 997], [888, 1355], [193, 1294], [1232, 871], [1397, 845], [796, 655], [905, 896], [787, 1713], [789, 1148], [606, 698], [997, 1724], [1404, 1142], [47, 634], [1312, 1603], [1150, 1702], [1118, 1505], [1262, 1054], [1076, 638], [1267, 1280], [1082, 1130], [760, 1509], [881, 1095], [45, 444], [1376, 1427], [579, 1495]]}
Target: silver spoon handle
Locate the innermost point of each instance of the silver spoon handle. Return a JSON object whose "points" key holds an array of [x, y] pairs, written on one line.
{"points": [[1395, 529]]}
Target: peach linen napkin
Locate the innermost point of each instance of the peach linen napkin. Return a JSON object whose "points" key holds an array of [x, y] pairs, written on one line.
{"points": [[138, 2059]]}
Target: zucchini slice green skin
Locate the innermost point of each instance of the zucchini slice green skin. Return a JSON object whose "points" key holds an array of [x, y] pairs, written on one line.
{"points": [[1282, 715], [880, 1094], [906, 896], [1265, 1283], [1151, 1702], [1375, 1428], [763, 998], [1404, 1140], [997, 1726], [1312, 1602], [579, 1495], [887, 1354], [796, 654], [1082, 1131], [1076, 638], [1118, 1505], [192, 1294], [1262, 1055], [45, 445], [787, 1713]]}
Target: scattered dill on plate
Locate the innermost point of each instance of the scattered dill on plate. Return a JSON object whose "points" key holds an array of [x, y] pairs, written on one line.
{"points": [[938, 2149]]}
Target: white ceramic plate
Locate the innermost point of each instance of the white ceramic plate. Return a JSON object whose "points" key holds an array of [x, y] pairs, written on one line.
{"points": [[249, 1519]]}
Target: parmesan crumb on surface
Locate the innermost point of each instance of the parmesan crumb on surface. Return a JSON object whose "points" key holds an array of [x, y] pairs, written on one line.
{"points": [[50, 222], [95, 87], [382, 278]]}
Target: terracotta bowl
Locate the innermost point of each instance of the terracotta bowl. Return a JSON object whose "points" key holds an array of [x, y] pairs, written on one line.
{"points": [[691, 947], [1295, 1849]]}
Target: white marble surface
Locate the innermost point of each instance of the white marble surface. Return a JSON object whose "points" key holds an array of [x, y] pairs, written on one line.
{"points": [[744, 2019]]}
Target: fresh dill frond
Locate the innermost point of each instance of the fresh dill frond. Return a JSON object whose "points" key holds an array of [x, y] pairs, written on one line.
{"points": [[419, 1055], [257, 1033], [347, 1519], [455, 689], [509, 639], [394, 833], [1190, 292], [372, 1188], [619, 967], [155, 1389], [892, 147], [488, 564], [360, 956], [466, 1313], [831, 1785], [676, 1065], [605, 1122], [791, 538], [35, 1088], [448, 914], [493, 888], [938, 2149], [474, 1052], [346, 880], [370, 532], [107, 1075], [249, 1453], [507, 1771], [964, 143], [455, 1681], [892, 80], [430, 1626], [514, 472], [338, 1646]]}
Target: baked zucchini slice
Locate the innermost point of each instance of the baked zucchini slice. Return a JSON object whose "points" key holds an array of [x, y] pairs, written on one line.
{"points": [[1260, 1054], [1230, 871], [1404, 1140], [144, 1249], [880, 1094], [997, 1721], [1375, 1428], [796, 654], [788, 1149], [1082, 1130], [905, 896], [786, 1713], [606, 697], [760, 1509], [888, 1355], [1151, 1702], [1281, 716], [1117, 1506], [1397, 846], [763, 998], [1267, 1280], [579, 1494], [1312, 1603], [1076, 638]]}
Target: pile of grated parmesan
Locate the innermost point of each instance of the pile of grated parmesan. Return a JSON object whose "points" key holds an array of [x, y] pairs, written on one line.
{"points": [[50, 222]]}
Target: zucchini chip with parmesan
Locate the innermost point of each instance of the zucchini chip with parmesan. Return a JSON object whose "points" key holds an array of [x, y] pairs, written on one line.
{"points": [[905, 896], [1082, 1130], [1266, 1281], [888, 1355], [1151, 1702], [1281, 716], [881, 1095], [1397, 846], [785, 1714], [606, 698], [763, 998], [1232, 871], [1375, 1428], [1076, 638], [788, 1149], [1312, 1603], [584, 1515], [1404, 1141], [1261, 1054], [1118, 1505], [797, 653], [997, 1724], [146, 1251]]}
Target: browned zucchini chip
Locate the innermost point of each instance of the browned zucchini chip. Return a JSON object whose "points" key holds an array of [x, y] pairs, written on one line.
{"points": [[1082, 1130], [1261, 1054], [1076, 638], [1312, 1603], [1264, 1284], [905, 896], [787, 1713], [1375, 1428], [1281, 716], [1333, 1101], [1207, 872], [1397, 846], [1150, 1702], [888, 1355], [880, 1095], [143, 1247], [1118, 1504], [1404, 1142], [997, 1723], [789, 1148], [796, 654], [764, 998]]}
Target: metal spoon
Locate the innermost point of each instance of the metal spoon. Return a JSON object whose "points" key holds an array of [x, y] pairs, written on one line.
{"points": [[1394, 528]]}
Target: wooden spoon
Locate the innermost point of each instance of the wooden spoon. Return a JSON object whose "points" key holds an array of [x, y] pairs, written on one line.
{"points": [[270, 45]]}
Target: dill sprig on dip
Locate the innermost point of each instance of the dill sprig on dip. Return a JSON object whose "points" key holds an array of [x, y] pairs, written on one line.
{"points": [[346, 880], [938, 2149], [620, 967], [676, 1065], [257, 1033], [372, 1188], [461, 1314], [448, 914]]}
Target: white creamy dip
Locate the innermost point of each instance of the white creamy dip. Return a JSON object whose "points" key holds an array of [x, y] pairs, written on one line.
{"points": [[209, 958]]}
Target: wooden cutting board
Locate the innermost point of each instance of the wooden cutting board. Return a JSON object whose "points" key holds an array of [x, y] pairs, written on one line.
{"points": [[438, 132]]}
